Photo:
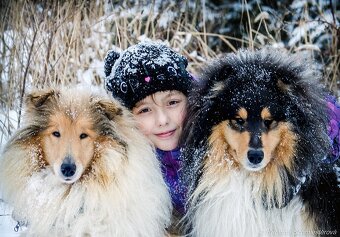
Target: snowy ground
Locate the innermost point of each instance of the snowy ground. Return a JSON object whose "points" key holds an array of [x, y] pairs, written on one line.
{"points": [[7, 224]]}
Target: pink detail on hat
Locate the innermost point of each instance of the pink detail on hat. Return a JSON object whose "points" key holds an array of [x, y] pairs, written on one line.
{"points": [[147, 79]]}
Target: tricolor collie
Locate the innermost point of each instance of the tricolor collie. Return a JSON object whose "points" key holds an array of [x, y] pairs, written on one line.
{"points": [[256, 138], [79, 167]]}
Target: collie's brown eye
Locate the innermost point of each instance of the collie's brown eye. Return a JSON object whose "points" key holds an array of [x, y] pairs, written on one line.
{"points": [[56, 134], [239, 121], [270, 123], [83, 135]]}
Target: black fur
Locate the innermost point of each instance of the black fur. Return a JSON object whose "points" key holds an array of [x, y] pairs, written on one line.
{"points": [[290, 87]]}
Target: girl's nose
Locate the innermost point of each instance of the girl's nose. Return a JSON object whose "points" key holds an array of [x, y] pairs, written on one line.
{"points": [[162, 118]]}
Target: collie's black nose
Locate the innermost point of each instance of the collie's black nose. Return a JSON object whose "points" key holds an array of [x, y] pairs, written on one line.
{"points": [[68, 170], [68, 167], [255, 156]]}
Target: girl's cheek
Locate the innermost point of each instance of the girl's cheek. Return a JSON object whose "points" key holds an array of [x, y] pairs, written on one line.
{"points": [[181, 119], [183, 114], [143, 127]]}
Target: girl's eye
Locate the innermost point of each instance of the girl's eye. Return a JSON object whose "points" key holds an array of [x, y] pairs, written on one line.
{"points": [[145, 110], [56, 134], [83, 135], [173, 102]]}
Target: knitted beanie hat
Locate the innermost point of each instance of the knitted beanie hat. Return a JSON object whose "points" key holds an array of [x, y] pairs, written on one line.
{"points": [[144, 69]]}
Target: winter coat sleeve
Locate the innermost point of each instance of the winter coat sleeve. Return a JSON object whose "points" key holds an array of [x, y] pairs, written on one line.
{"points": [[333, 128]]}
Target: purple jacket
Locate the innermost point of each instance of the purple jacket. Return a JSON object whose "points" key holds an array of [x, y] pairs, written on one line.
{"points": [[170, 165], [333, 128]]}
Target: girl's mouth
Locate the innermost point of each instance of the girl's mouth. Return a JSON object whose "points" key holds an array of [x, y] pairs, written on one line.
{"points": [[166, 134]]}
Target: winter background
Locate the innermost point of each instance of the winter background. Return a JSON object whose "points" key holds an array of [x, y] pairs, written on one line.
{"points": [[46, 43]]}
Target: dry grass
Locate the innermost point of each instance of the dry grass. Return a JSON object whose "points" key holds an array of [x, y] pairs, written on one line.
{"points": [[41, 46], [58, 42]]}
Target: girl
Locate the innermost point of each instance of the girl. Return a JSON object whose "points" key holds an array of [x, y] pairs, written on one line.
{"points": [[152, 81]]}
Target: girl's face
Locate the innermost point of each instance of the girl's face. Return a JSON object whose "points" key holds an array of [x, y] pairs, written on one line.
{"points": [[160, 118]]}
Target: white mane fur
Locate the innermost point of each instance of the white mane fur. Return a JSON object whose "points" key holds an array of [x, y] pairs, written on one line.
{"points": [[230, 208]]}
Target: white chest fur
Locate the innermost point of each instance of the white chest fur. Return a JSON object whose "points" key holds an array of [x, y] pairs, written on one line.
{"points": [[230, 209]]}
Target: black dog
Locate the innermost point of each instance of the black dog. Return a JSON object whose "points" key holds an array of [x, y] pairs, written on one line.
{"points": [[255, 142]]}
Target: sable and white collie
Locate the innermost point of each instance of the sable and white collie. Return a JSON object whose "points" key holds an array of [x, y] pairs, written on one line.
{"points": [[255, 142], [79, 167]]}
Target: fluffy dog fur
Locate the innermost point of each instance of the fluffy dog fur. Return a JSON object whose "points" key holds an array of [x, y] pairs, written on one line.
{"points": [[256, 138], [79, 167]]}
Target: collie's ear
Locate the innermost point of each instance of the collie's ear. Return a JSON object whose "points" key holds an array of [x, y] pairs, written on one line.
{"points": [[38, 98], [109, 108]]}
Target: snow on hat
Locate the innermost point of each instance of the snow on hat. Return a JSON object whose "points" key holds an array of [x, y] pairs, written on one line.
{"points": [[144, 69]]}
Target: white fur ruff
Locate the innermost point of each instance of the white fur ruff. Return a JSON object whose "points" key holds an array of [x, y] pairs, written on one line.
{"points": [[135, 204], [229, 208]]}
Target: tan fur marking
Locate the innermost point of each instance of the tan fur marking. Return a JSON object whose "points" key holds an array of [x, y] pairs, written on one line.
{"points": [[38, 98], [36, 153], [96, 169], [282, 86], [69, 142], [285, 150], [219, 159], [265, 114], [279, 147], [111, 110], [239, 143], [243, 113]]}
